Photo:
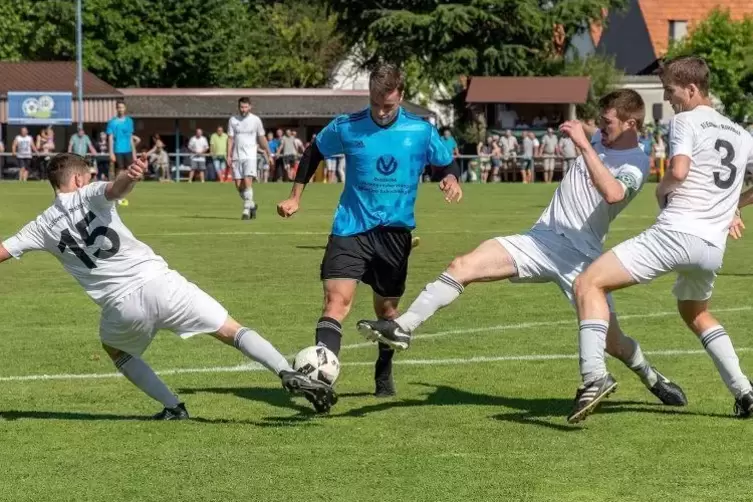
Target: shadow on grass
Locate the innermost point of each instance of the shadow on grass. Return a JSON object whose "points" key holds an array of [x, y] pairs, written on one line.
{"points": [[207, 217], [317, 248], [104, 417], [531, 411]]}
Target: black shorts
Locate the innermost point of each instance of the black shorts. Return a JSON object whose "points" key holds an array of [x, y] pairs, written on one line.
{"points": [[288, 160], [123, 160], [23, 163], [378, 258]]}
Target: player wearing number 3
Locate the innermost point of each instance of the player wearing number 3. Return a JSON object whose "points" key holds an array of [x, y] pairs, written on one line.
{"points": [[136, 290], [698, 198]]}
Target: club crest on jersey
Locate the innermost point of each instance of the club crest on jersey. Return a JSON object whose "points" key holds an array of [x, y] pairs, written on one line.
{"points": [[386, 165]]}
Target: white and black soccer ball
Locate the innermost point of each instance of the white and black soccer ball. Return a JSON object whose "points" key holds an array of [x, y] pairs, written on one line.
{"points": [[319, 363]]}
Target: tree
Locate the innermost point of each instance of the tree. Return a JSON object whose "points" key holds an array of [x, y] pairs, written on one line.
{"points": [[727, 47], [604, 76], [467, 37]]}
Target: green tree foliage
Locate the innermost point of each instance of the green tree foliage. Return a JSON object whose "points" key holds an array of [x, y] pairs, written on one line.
{"points": [[467, 37], [727, 46], [186, 43], [604, 76]]}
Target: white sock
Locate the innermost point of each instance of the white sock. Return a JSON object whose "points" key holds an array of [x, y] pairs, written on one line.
{"points": [[248, 203], [719, 346], [632, 356], [435, 295], [254, 346], [142, 376], [592, 342]]}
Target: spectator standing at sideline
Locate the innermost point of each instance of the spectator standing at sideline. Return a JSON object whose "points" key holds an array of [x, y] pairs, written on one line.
{"points": [[159, 159], [568, 153], [121, 141], [509, 144], [103, 157], [289, 151], [526, 168], [218, 149], [80, 144], [271, 171], [22, 148], [549, 151], [198, 146], [484, 152], [45, 146]]}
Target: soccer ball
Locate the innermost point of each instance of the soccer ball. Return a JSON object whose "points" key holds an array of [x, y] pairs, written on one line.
{"points": [[319, 363]]}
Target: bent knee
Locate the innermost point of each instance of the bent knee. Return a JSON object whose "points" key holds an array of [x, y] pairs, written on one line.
{"points": [[113, 352]]}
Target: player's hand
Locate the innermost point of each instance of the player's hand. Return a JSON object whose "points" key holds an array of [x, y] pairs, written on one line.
{"points": [[136, 170], [287, 208], [451, 188], [737, 227], [574, 129]]}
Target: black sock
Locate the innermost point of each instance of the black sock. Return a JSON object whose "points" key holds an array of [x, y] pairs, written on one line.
{"points": [[329, 333], [383, 366]]}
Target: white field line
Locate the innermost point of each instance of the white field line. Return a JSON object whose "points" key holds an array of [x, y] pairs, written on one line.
{"points": [[400, 361]]}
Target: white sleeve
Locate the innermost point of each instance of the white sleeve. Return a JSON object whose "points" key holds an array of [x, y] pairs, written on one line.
{"points": [[259, 127], [681, 136], [230, 128], [29, 238], [93, 195]]}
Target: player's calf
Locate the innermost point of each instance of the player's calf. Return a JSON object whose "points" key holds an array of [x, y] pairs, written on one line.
{"points": [[142, 376]]}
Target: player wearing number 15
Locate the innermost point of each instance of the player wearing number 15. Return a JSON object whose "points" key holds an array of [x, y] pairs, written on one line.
{"points": [[698, 198], [136, 290]]}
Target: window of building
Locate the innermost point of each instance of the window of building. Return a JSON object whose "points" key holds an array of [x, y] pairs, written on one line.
{"points": [[677, 30]]}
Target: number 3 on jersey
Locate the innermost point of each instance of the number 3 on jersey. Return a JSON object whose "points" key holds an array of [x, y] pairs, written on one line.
{"points": [[727, 160], [67, 241]]}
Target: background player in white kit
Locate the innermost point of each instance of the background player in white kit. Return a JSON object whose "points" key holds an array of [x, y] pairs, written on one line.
{"points": [[698, 197], [568, 236], [136, 290], [244, 132]]}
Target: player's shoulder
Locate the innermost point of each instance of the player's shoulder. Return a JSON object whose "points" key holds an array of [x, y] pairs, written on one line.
{"points": [[349, 118]]}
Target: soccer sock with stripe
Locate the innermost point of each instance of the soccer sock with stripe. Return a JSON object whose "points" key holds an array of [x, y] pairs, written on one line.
{"points": [[592, 342], [248, 199], [632, 355], [719, 346], [142, 376], [436, 295], [329, 333], [254, 346]]}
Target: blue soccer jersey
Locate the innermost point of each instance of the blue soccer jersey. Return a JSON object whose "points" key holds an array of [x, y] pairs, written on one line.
{"points": [[383, 167]]}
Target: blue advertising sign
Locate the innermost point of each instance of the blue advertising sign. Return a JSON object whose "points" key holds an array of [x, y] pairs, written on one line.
{"points": [[40, 108]]}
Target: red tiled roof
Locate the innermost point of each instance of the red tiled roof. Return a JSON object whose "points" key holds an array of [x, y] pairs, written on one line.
{"points": [[50, 76], [528, 90]]}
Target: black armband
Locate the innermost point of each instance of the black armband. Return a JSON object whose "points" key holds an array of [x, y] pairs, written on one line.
{"points": [[308, 164]]}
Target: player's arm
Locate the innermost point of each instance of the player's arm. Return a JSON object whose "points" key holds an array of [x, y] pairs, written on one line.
{"points": [[4, 254], [610, 188], [590, 130], [307, 167], [230, 141], [262, 140], [29, 238], [681, 141], [125, 181], [439, 156], [13, 147]]}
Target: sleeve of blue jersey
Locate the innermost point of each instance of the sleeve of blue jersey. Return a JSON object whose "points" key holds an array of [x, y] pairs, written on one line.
{"points": [[439, 155], [328, 140]]}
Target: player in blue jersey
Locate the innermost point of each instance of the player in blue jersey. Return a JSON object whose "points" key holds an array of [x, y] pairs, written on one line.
{"points": [[386, 150]]}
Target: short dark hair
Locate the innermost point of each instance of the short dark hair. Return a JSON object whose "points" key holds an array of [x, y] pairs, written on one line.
{"points": [[686, 70], [244, 100], [627, 103], [64, 165], [120, 102], [386, 78]]}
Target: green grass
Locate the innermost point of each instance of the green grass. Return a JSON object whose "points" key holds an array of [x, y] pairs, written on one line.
{"points": [[464, 431]]}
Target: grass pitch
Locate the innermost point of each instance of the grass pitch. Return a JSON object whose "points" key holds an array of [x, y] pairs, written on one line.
{"points": [[481, 406]]}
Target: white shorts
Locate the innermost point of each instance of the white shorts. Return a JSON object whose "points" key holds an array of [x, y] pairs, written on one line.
{"points": [[331, 165], [166, 302], [656, 252], [544, 256], [244, 168]]}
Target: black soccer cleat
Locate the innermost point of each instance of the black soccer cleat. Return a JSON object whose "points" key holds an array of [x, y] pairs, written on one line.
{"points": [[319, 394], [386, 332], [385, 387], [668, 392], [589, 395], [252, 214], [744, 405], [177, 413]]}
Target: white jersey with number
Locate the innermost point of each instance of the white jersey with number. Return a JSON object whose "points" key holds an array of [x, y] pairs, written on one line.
{"points": [[245, 132], [719, 150], [579, 212], [82, 229]]}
